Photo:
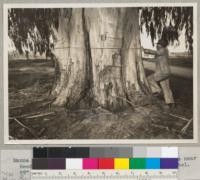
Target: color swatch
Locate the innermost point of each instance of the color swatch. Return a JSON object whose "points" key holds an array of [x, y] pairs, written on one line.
{"points": [[90, 163], [83, 158], [137, 163], [74, 163], [121, 163], [152, 163], [106, 163]]}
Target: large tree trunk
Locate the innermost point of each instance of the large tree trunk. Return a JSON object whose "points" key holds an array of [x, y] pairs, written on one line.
{"points": [[100, 55], [70, 52], [105, 38], [134, 79]]}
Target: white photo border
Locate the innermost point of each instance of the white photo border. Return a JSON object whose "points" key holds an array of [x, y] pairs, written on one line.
{"points": [[98, 141]]}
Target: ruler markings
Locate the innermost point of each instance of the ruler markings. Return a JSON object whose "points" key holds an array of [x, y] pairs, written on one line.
{"points": [[123, 174]]}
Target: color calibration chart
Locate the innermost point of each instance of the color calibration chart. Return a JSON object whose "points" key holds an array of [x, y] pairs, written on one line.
{"points": [[152, 163]]}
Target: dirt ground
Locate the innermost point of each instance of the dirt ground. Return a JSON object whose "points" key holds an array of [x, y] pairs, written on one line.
{"points": [[31, 115]]}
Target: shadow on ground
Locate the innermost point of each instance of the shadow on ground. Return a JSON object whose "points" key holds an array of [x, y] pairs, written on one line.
{"points": [[31, 115]]}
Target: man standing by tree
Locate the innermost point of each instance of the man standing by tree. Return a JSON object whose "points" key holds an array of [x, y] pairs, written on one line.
{"points": [[88, 71], [162, 72]]}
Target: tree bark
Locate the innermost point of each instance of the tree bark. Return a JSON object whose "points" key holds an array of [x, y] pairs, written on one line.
{"points": [[99, 52], [134, 78], [105, 38]]}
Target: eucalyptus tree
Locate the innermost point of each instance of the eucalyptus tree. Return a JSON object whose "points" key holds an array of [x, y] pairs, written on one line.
{"points": [[98, 50]]}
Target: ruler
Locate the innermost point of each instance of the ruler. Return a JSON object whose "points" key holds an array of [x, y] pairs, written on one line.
{"points": [[104, 174]]}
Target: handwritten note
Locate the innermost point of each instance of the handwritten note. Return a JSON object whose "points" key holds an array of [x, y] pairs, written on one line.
{"points": [[189, 164], [16, 164]]}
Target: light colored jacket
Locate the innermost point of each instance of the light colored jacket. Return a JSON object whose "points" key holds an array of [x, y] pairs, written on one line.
{"points": [[162, 64]]}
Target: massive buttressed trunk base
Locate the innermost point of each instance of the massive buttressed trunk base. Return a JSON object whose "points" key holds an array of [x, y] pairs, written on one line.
{"points": [[99, 57]]}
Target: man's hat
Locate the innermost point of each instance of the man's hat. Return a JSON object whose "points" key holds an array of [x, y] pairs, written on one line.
{"points": [[162, 42]]}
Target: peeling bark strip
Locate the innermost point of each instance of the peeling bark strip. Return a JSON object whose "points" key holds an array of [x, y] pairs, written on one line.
{"points": [[101, 56]]}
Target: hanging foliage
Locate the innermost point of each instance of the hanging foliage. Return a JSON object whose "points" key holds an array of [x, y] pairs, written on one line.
{"points": [[163, 22], [168, 23]]}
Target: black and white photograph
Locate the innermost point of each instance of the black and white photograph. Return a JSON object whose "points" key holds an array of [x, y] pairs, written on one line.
{"points": [[108, 73]]}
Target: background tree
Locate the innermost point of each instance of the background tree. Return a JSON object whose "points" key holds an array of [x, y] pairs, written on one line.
{"points": [[98, 50]]}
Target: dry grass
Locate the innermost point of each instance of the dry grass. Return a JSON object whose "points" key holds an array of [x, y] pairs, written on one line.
{"points": [[29, 86]]}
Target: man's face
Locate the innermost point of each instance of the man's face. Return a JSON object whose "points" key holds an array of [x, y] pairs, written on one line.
{"points": [[158, 46]]}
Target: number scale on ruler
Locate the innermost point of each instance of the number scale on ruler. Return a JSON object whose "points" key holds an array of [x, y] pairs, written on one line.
{"points": [[104, 174]]}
